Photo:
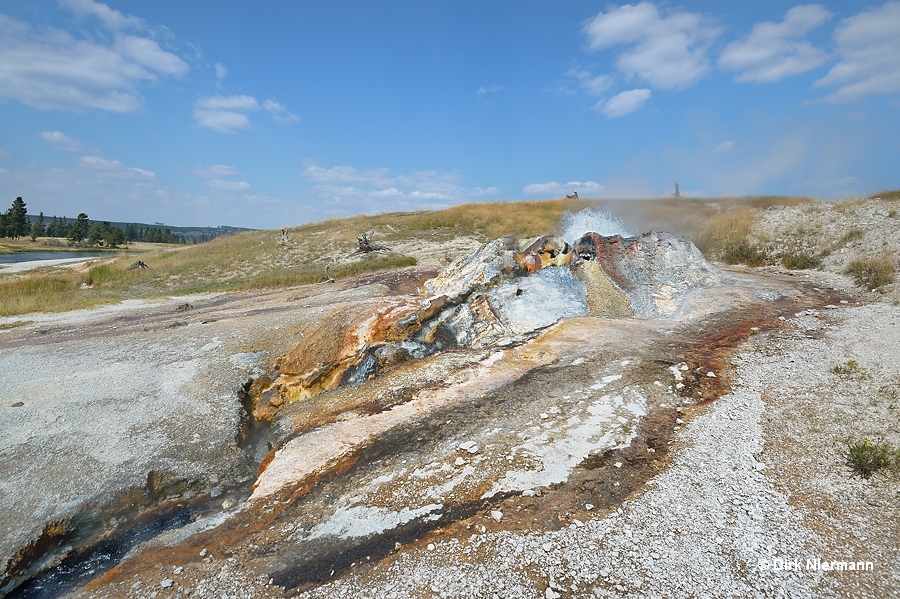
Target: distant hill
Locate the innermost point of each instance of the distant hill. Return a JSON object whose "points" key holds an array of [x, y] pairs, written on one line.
{"points": [[188, 234]]}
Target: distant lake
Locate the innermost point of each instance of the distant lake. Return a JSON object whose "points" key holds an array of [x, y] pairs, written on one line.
{"points": [[35, 256]]}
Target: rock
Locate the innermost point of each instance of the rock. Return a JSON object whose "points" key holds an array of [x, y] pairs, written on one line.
{"points": [[547, 547], [203, 552], [215, 492], [497, 515], [430, 547], [467, 445], [460, 462], [166, 583]]}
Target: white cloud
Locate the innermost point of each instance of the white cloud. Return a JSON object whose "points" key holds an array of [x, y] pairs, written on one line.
{"points": [[5, 154], [773, 51], [61, 141], [221, 71], [215, 170], [594, 86], [488, 90], [668, 52], [623, 103], [111, 18], [555, 189], [725, 146], [219, 113], [869, 49], [228, 186], [279, 113], [147, 52], [226, 114], [114, 169], [50, 69], [348, 190], [222, 121], [377, 177], [243, 103]]}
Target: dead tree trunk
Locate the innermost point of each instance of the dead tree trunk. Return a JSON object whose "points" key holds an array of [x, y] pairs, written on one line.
{"points": [[367, 244]]}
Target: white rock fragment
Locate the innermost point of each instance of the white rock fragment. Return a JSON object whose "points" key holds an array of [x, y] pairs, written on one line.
{"points": [[166, 583], [679, 386], [551, 594], [618, 464], [528, 493], [203, 552], [497, 515], [460, 462], [682, 367], [711, 374], [544, 416], [588, 506], [547, 547], [178, 570], [469, 446], [430, 547]]}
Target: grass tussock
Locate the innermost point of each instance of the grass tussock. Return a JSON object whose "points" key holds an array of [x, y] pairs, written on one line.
{"points": [[801, 261], [849, 237], [852, 369], [873, 272], [725, 232], [866, 458]]}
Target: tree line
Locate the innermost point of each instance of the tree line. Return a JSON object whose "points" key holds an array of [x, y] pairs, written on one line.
{"points": [[15, 224]]}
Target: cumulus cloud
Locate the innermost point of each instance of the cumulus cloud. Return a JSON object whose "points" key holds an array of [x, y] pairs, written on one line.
{"points": [[869, 51], [221, 71], [227, 114], [279, 113], [224, 114], [61, 141], [774, 51], [50, 69], [623, 103], [555, 189], [725, 146], [667, 52]]}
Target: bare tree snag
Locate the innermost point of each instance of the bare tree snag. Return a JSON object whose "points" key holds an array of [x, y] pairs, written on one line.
{"points": [[287, 242], [367, 244]]}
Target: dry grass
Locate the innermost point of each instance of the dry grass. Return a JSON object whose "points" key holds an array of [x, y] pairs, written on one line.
{"points": [[891, 195], [873, 272]]}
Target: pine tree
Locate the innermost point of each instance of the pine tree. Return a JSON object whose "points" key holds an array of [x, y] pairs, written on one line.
{"points": [[16, 219]]}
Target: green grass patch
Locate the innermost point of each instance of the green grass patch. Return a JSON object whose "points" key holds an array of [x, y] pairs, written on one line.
{"points": [[11, 325], [866, 458], [801, 261], [874, 272], [745, 253], [851, 368]]}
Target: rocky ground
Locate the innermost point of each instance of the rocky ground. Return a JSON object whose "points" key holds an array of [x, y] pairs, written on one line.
{"points": [[689, 456]]}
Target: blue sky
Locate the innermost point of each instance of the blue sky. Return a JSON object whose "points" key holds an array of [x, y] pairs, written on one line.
{"points": [[269, 114]]}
